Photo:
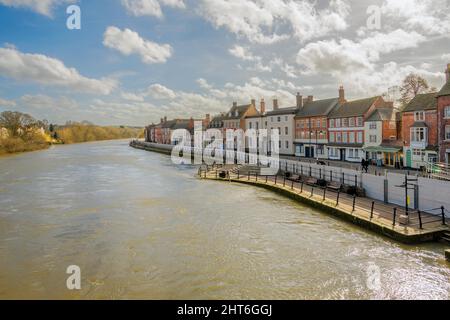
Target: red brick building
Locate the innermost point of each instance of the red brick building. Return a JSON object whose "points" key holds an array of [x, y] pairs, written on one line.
{"points": [[443, 110], [420, 134]]}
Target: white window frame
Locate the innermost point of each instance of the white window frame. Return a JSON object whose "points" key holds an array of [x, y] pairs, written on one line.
{"points": [[419, 116]]}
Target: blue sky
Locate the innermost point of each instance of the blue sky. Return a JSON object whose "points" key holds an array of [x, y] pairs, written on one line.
{"points": [[135, 61]]}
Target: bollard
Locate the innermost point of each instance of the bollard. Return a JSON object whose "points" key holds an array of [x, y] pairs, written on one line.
{"points": [[371, 210], [420, 219], [337, 199], [324, 193], [394, 217], [354, 202]]}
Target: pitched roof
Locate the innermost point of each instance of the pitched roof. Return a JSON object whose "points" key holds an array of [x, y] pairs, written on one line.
{"points": [[445, 91], [281, 111], [241, 110], [420, 102], [353, 108], [382, 114], [318, 108]]}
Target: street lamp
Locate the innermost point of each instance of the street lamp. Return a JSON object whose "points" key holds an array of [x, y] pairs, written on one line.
{"points": [[317, 141]]}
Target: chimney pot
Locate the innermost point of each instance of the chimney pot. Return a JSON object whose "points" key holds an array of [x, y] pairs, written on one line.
{"points": [[275, 104], [341, 95], [263, 106], [447, 73], [299, 100]]}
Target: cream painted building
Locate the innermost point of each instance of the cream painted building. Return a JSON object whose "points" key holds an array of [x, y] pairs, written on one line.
{"points": [[283, 121]]}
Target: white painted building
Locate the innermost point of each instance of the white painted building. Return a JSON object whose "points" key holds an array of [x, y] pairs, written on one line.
{"points": [[283, 121]]}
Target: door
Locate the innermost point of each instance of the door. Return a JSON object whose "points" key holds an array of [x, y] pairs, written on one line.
{"points": [[307, 149], [312, 152], [342, 154], [408, 159]]}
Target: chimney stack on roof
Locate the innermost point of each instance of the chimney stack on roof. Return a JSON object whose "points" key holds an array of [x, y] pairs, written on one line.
{"points": [[299, 100], [342, 95], [275, 104], [253, 102], [447, 73], [310, 98], [263, 106]]}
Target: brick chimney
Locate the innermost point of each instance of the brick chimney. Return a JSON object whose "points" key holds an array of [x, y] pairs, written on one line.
{"points": [[310, 98], [191, 123], [263, 106], [342, 95], [299, 100], [447, 73], [253, 102], [275, 104]]}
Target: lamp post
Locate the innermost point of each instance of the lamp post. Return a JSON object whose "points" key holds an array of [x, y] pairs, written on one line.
{"points": [[317, 141]]}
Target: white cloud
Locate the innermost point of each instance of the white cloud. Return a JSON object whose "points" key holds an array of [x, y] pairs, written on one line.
{"points": [[150, 7], [47, 103], [44, 70], [129, 42], [243, 53], [260, 20], [159, 91], [329, 56], [446, 57], [43, 7], [431, 17], [132, 96], [7, 103]]}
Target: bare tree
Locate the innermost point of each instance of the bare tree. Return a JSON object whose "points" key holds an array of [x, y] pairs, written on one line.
{"points": [[413, 85], [16, 122]]}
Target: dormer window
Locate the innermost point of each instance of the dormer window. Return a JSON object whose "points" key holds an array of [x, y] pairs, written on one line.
{"points": [[419, 116]]}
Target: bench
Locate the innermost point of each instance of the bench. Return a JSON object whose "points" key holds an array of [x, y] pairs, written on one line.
{"points": [[311, 181], [333, 185], [295, 178]]}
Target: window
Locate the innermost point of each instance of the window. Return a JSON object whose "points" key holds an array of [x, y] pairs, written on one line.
{"points": [[279, 119], [344, 137], [279, 144], [249, 125], [447, 132], [360, 121], [345, 123], [351, 122], [279, 131], [419, 154], [419, 116], [350, 153], [332, 137], [373, 138], [338, 123], [360, 137], [339, 137], [286, 130], [373, 125], [447, 112], [320, 149], [318, 123], [418, 134], [332, 123], [287, 144], [257, 125], [324, 122], [351, 137]]}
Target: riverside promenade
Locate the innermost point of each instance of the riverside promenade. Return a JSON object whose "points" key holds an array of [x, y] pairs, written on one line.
{"points": [[385, 219]]}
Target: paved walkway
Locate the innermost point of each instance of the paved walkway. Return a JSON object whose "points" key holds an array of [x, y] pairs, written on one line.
{"points": [[373, 211]]}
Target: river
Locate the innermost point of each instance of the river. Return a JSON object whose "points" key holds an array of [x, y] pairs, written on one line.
{"points": [[140, 227]]}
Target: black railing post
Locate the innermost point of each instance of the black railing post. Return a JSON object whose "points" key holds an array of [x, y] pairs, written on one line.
{"points": [[394, 217], [310, 171], [371, 210], [266, 179], [443, 215], [292, 185], [301, 167], [420, 219], [354, 202], [331, 175], [356, 181], [338, 196], [320, 173], [343, 178]]}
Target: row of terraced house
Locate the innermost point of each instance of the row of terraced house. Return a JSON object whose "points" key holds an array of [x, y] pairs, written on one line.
{"points": [[338, 129]]}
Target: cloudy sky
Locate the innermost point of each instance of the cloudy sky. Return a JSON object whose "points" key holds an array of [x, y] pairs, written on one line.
{"points": [[135, 61]]}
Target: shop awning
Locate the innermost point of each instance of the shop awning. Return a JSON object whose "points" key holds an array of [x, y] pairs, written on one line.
{"points": [[382, 149]]}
